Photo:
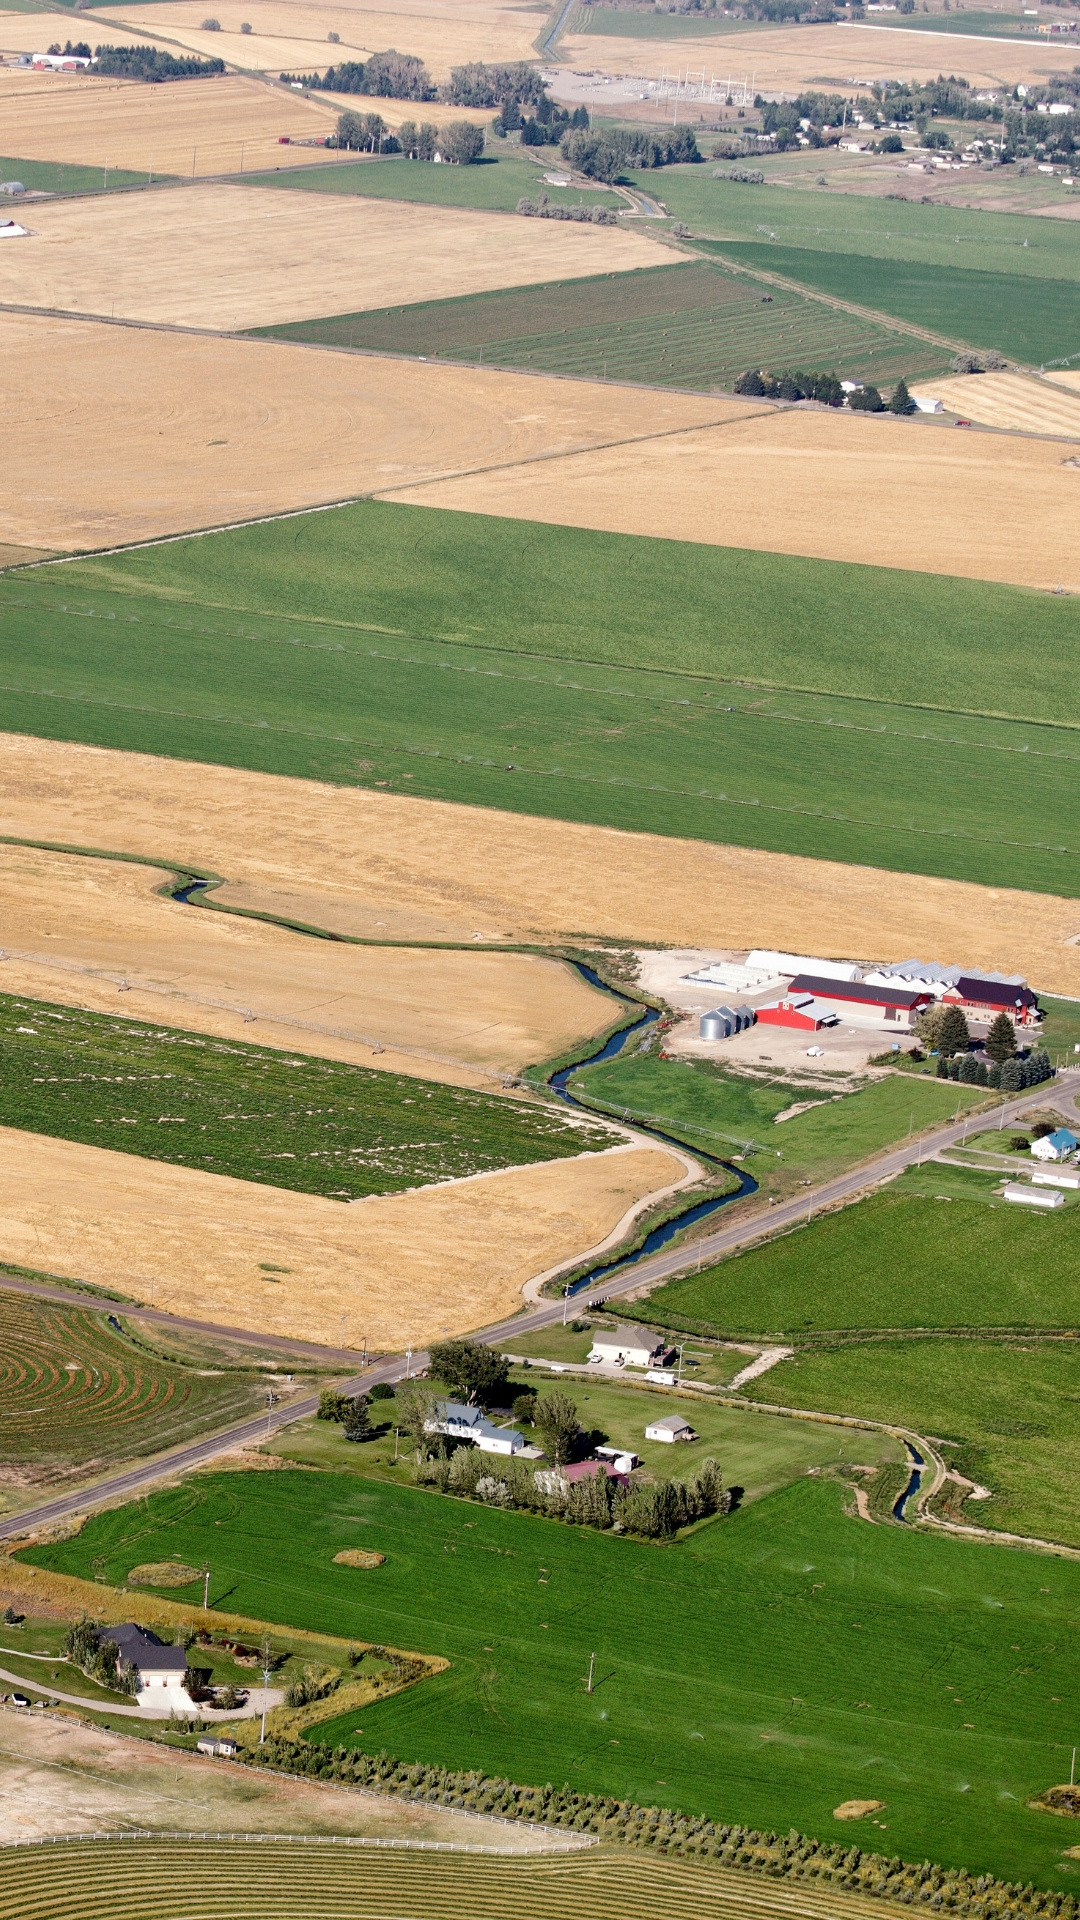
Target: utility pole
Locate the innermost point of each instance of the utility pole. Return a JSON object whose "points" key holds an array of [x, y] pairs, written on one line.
{"points": [[206, 1586], [592, 1663], [266, 1682], [565, 1299], [1072, 1770], [341, 1342], [269, 1408], [408, 1363]]}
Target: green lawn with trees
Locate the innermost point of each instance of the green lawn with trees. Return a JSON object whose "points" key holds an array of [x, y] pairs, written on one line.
{"points": [[765, 1668]]}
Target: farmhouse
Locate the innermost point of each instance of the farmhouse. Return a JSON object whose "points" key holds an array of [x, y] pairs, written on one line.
{"points": [[1055, 1146], [627, 1347], [983, 998], [162, 1670], [859, 1002], [673, 1427], [459, 1422], [798, 1010]]}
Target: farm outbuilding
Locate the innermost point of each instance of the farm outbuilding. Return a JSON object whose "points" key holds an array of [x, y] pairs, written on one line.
{"points": [[722, 1022], [798, 1010], [854, 1000], [1025, 1196], [673, 1427], [769, 960]]}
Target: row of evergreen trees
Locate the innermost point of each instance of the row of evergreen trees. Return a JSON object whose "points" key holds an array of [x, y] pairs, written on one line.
{"points": [[653, 1511], [1010, 1076], [790, 1856]]}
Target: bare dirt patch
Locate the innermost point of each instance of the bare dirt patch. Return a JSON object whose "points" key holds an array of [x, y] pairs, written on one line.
{"points": [[1010, 400], [59, 1777], [403, 1269], [869, 490], [157, 433], [201, 124], [97, 929], [441, 35], [427, 869], [857, 1809], [363, 1557], [233, 257], [831, 57]]}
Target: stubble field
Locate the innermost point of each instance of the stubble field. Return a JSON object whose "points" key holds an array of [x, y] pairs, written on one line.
{"points": [[387, 866], [157, 433], [230, 256], [197, 126], [1011, 401], [395, 1271]]}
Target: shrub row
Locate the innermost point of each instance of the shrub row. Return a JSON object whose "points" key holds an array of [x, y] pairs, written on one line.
{"points": [[1009, 1076], [790, 1856], [542, 209]]}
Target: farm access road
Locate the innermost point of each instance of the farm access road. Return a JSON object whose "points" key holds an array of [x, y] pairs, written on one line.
{"points": [[643, 1274]]}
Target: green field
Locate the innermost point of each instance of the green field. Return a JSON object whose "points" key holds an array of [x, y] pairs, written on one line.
{"points": [[963, 303], [115, 1401], [766, 1668], [626, 23], [1010, 1409], [496, 183], [896, 1260], [309, 647], [685, 326], [719, 1111], [836, 222], [50, 176], [315, 1126]]}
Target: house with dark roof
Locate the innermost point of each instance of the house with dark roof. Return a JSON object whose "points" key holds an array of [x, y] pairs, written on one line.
{"points": [[162, 1670], [982, 999]]}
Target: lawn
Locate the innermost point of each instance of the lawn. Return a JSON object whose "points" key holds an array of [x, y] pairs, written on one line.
{"points": [[53, 176], [719, 1111], [1010, 1409], [310, 648], [963, 303], [687, 326], [836, 222], [900, 1259], [78, 1392], [884, 1644], [496, 183], [314, 1126]]}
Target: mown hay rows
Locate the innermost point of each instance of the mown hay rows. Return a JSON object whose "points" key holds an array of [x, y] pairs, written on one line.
{"points": [[237, 1881]]}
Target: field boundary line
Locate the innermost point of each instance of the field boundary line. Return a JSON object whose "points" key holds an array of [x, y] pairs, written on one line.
{"points": [[127, 1836]]}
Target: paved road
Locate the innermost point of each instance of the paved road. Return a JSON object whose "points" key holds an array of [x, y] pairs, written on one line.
{"points": [[660, 1266]]}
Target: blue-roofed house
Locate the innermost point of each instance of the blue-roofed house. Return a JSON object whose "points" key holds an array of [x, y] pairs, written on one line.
{"points": [[1055, 1146]]}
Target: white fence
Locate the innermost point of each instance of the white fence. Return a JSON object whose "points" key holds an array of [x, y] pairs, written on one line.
{"points": [[291, 1839]]}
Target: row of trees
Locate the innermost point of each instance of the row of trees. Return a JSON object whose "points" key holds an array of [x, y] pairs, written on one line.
{"points": [[824, 387], [603, 156], [494, 85], [791, 1856], [460, 143], [153, 64], [544, 209], [402, 76], [1008, 1076]]}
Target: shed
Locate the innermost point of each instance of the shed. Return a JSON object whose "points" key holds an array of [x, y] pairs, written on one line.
{"points": [[672, 1427], [1051, 1176], [1055, 1146], [1033, 1196], [798, 1010]]}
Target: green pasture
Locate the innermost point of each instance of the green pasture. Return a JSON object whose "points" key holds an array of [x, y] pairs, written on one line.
{"points": [[1002, 25], [496, 183], [116, 1400], [1010, 1409], [1061, 1024], [901, 1259], [609, 673], [624, 23], [688, 326], [53, 176], [725, 1112], [316, 1126], [832, 222], [764, 1669], [963, 303]]}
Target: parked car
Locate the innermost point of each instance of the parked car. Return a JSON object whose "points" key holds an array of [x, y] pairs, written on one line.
{"points": [[19, 1700]]}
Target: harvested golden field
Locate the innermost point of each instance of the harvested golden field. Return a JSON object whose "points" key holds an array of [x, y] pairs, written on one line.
{"points": [[1009, 400], [234, 256], [869, 489], [402, 1269], [57, 1776], [75, 929], [831, 57], [441, 35], [405, 869], [395, 111], [161, 130], [116, 434], [35, 32], [1069, 380]]}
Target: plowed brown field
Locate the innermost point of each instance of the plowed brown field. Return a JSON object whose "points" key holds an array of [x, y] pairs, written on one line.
{"points": [[200, 126], [833, 486], [790, 59], [115, 434], [423, 869], [403, 1269], [234, 256], [82, 931], [1009, 400], [441, 35]]}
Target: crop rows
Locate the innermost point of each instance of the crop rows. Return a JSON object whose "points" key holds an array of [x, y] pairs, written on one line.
{"points": [[315, 1126], [73, 1389], [160, 1880]]}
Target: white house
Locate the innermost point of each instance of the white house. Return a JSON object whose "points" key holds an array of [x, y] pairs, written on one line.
{"points": [[459, 1422], [627, 1347], [1055, 1146], [162, 1670], [670, 1429]]}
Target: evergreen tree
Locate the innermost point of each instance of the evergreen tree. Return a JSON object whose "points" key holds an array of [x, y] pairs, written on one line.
{"points": [[901, 401], [556, 1421], [1001, 1039], [357, 1421], [953, 1035], [1012, 1076]]}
